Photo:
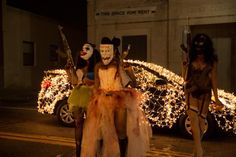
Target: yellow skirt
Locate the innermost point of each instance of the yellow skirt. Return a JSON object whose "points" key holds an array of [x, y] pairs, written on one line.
{"points": [[79, 97]]}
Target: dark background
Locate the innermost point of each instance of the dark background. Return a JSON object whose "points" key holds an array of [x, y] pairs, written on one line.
{"points": [[69, 11]]}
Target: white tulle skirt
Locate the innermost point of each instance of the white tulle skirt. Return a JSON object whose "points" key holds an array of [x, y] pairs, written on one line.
{"points": [[100, 126]]}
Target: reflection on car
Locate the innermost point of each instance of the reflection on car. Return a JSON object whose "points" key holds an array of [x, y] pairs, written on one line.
{"points": [[163, 99]]}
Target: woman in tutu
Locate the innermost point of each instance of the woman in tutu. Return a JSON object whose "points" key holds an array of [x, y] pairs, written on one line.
{"points": [[82, 78], [115, 125]]}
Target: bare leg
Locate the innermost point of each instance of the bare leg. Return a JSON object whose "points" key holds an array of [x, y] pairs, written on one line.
{"points": [[120, 123], [202, 126], [79, 120], [194, 119], [203, 114]]}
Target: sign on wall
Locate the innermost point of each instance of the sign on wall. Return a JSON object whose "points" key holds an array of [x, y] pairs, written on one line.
{"points": [[126, 12]]}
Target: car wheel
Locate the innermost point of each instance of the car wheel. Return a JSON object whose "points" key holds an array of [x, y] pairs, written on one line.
{"points": [[186, 130], [63, 114]]}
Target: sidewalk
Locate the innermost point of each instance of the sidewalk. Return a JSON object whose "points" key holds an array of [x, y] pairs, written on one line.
{"points": [[18, 96]]}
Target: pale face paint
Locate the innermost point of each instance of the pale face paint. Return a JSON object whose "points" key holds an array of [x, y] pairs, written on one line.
{"points": [[107, 53], [87, 51]]}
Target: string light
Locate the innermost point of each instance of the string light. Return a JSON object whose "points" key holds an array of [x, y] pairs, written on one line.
{"points": [[173, 104], [54, 87], [163, 97]]}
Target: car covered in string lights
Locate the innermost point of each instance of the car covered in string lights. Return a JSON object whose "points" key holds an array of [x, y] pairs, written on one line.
{"points": [[163, 102]]}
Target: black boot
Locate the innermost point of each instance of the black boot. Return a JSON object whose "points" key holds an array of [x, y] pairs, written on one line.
{"points": [[78, 150], [123, 145]]}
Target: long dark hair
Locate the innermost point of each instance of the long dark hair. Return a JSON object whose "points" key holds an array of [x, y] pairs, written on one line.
{"points": [[207, 47]]}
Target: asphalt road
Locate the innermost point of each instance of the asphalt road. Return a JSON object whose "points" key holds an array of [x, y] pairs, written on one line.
{"points": [[26, 133]]}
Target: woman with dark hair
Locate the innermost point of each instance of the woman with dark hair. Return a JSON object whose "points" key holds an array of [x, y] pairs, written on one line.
{"points": [[83, 59], [82, 78], [200, 80], [115, 125], [202, 44]]}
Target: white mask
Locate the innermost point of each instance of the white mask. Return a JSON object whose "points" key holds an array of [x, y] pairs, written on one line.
{"points": [[87, 51], [107, 53]]}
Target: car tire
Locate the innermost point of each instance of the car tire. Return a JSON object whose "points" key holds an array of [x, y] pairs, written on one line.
{"points": [[63, 114], [185, 127]]}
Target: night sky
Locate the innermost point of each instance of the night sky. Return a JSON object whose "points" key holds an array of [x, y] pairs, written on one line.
{"points": [[73, 11]]}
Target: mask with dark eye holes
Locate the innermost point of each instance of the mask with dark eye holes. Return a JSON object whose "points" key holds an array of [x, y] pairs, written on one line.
{"points": [[107, 53], [87, 51], [200, 44]]}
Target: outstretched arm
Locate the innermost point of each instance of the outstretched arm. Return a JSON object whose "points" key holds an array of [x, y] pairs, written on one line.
{"points": [[185, 61], [71, 73]]}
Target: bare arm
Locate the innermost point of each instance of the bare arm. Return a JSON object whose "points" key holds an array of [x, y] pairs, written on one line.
{"points": [[214, 84], [72, 76], [185, 59], [88, 81]]}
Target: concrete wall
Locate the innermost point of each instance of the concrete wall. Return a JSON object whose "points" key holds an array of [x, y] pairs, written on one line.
{"points": [[162, 23], [163, 28], [19, 26]]}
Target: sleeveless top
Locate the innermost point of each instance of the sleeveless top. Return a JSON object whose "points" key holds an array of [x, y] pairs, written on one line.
{"points": [[199, 81]]}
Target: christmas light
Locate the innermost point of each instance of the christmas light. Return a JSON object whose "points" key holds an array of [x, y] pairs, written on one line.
{"points": [[163, 97], [174, 98]]}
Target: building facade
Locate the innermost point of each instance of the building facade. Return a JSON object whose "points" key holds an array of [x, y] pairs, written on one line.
{"points": [[154, 30], [32, 44]]}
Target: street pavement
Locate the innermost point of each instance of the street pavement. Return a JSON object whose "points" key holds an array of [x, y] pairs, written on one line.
{"points": [[162, 145], [165, 143]]}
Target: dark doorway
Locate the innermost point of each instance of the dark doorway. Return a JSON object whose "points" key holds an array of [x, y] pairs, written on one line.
{"points": [[138, 49]]}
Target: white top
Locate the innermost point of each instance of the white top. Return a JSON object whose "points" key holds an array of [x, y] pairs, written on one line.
{"points": [[109, 80]]}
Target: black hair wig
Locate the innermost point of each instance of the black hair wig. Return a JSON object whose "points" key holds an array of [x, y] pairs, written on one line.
{"points": [[115, 42], [93, 60], [206, 46]]}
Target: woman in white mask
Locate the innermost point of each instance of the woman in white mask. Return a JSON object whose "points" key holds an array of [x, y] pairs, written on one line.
{"points": [[115, 125], [82, 80]]}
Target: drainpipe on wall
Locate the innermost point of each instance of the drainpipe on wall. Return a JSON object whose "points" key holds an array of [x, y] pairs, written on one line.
{"points": [[167, 35], [1, 46]]}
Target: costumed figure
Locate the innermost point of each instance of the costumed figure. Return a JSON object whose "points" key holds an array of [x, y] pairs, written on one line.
{"points": [[82, 78], [115, 125], [201, 79]]}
